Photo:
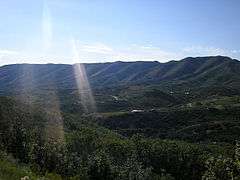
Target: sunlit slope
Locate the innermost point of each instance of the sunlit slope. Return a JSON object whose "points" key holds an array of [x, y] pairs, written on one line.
{"points": [[189, 72]]}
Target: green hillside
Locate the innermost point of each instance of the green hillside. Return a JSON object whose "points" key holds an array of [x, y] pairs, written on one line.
{"points": [[177, 120], [89, 151], [189, 72]]}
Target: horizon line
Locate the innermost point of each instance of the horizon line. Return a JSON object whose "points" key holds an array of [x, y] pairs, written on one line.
{"points": [[127, 61]]}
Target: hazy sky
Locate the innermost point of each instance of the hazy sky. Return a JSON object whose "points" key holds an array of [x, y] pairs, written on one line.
{"points": [[38, 31]]}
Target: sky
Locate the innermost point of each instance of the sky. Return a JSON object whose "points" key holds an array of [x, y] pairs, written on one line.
{"points": [[47, 31]]}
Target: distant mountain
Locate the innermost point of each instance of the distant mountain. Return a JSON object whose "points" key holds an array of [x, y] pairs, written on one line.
{"points": [[190, 72]]}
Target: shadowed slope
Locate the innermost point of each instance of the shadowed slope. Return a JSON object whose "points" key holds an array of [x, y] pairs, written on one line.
{"points": [[202, 71]]}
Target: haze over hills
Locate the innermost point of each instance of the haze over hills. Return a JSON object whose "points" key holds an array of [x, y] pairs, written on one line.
{"points": [[199, 71]]}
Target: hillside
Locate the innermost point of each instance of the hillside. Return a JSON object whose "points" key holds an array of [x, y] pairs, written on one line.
{"points": [[89, 151], [197, 124], [186, 119], [189, 72]]}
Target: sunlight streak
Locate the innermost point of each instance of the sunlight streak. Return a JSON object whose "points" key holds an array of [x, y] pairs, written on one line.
{"points": [[47, 99], [54, 127], [46, 27], [25, 84], [84, 89]]}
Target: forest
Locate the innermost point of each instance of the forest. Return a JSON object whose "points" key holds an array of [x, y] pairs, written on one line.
{"points": [[181, 124], [160, 144]]}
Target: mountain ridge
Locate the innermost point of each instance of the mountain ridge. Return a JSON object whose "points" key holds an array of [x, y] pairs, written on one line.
{"points": [[144, 61], [201, 71]]}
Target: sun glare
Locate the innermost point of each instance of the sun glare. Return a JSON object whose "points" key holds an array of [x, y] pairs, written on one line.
{"points": [[47, 31], [84, 89], [54, 127]]}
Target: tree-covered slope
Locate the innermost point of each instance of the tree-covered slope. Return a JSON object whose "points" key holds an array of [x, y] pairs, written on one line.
{"points": [[89, 151], [197, 124], [186, 124], [201, 71]]}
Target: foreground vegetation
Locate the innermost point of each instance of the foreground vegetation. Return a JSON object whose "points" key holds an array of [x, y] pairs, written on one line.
{"points": [[78, 147]]}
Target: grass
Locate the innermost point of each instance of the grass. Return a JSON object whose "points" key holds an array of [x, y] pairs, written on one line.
{"points": [[109, 114], [10, 171]]}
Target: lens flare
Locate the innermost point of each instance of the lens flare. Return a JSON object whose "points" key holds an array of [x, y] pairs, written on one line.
{"points": [[28, 93], [25, 84], [47, 31], [54, 127], [84, 89]]}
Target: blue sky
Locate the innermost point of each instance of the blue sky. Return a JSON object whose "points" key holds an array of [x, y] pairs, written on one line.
{"points": [[45, 31]]}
